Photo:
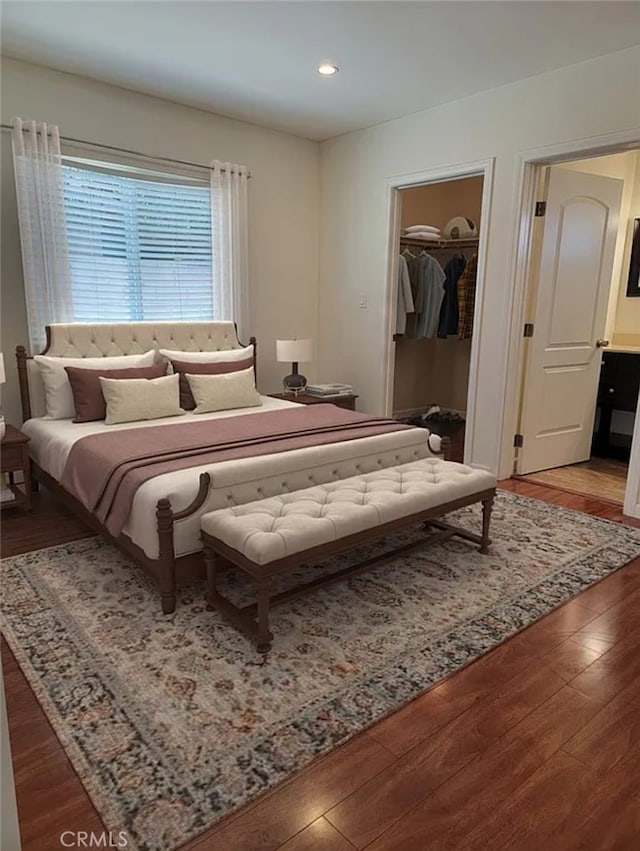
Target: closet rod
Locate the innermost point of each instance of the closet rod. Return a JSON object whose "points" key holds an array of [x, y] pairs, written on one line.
{"points": [[440, 243], [8, 127]]}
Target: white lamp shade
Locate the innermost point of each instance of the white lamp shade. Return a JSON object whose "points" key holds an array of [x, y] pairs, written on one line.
{"points": [[3, 377], [293, 351]]}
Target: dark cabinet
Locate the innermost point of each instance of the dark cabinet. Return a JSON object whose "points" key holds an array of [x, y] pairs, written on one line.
{"points": [[618, 391]]}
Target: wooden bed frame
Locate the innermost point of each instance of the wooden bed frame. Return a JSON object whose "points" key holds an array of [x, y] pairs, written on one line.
{"points": [[169, 572]]}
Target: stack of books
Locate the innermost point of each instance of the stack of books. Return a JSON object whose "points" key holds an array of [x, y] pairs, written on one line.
{"points": [[333, 389]]}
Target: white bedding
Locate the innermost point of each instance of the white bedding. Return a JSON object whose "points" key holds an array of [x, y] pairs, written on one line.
{"points": [[51, 440], [233, 482]]}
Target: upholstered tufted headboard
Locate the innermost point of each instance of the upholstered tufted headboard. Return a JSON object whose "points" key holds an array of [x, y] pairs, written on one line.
{"points": [[94, 340]]}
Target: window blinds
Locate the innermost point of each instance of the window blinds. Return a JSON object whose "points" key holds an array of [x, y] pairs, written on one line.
{"points": [[139, 249]]}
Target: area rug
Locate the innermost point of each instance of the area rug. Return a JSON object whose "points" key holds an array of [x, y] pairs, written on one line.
{"points": [[174, 721]]}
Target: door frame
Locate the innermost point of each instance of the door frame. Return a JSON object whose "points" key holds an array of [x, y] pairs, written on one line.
{"points": [[529, 166], [632, 494], [478, 168]]}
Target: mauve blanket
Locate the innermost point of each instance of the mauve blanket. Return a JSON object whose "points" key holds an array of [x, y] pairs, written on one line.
{"points": [[104, 471]]}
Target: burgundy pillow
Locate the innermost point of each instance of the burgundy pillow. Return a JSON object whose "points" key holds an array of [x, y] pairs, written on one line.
{"points": [[87, 392], [183, 368]]}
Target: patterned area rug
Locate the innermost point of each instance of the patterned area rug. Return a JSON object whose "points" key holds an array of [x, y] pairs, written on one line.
{"points": [[174, 721]]}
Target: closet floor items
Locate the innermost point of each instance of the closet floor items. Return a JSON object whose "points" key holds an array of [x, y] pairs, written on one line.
{"points": [[444, 418], [455, 433], [437, 421], [601, 477]]}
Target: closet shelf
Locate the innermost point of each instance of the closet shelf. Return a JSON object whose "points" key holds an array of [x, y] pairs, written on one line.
{"points": [[440, 243]]}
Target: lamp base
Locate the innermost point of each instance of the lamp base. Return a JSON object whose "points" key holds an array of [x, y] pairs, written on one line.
{"points": [[294, 383]]}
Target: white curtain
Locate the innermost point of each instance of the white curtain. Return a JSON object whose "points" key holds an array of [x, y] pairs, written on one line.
{"points": [[45, 260], [230, 244]]}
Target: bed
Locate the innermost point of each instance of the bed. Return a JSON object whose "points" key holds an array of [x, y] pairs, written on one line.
{"points": [[162, 530]]}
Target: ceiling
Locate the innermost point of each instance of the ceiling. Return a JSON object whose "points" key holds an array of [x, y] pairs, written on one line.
{"points": [[257, 61]]}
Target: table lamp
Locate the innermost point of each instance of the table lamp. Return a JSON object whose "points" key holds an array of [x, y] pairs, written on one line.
{"points": [[293, 352]]}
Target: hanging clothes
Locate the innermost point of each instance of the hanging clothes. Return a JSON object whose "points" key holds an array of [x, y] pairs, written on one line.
{"points": [[430, 293], [449, 311], [467, 298], [405, 303], [412, 268]]}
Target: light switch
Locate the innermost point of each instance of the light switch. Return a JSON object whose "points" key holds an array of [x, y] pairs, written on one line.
{"points": [[363, 300]]}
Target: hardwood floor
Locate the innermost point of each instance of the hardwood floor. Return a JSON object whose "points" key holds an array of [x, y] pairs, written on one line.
{"points": [[47, 525], [535, 745], [603, 478], [578, 502]]}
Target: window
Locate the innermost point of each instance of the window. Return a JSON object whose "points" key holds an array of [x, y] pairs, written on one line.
{"points": [[139, 248]]}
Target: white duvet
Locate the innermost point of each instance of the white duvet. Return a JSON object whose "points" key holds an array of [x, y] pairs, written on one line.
{"points": [[233, 482]]}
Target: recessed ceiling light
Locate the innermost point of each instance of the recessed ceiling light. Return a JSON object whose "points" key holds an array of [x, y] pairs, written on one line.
{"points": [[327, 70]]}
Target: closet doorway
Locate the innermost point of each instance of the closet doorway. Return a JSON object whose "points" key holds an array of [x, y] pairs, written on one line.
{"points": [[438, 228]]}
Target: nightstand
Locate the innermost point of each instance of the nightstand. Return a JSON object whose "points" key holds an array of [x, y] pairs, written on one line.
{"points": [[347, 400], [14, 458]]}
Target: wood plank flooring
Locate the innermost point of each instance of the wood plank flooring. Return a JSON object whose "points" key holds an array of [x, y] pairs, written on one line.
{"points": [[535, 745], [604, 478], [47, 525]]}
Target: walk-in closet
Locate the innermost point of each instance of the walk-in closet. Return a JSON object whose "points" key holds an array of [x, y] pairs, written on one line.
{"points": [[440, 228]]}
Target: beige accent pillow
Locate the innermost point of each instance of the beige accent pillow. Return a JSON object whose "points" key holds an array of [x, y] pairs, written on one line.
{"points": [[224, 392], [129, 400]]}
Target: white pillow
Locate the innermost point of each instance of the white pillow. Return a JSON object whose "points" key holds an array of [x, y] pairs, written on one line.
{"points": [[424, 235], [221, 356], [415, 228], [57, 390], [131, 399], [224, 392]]}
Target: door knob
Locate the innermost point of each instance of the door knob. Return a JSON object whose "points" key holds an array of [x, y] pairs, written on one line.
{"points": [[602, 344]]}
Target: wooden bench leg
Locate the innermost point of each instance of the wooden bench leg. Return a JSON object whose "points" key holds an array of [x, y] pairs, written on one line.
{"points": [[243, 618], [265, 636], [487, 506], [210, 561]]}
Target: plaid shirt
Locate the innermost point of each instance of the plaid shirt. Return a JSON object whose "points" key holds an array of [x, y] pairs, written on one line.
{"points": [[467, 298]]}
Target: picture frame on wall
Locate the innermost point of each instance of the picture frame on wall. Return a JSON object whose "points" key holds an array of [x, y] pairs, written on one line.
{"points": [[633, 284]]}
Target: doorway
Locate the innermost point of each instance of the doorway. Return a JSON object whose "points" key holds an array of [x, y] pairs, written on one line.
{"points": [[581, 371], [434, 298]]}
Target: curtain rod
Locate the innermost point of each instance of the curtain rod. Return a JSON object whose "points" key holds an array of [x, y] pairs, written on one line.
{"points": [[9, 127]]}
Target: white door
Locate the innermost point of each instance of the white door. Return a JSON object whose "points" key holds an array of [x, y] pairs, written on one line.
{"points": [[564, 355]]}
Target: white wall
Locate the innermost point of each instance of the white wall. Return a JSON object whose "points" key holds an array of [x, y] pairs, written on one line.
{"points": [[627, 318], [283, 197], [582, 101]]}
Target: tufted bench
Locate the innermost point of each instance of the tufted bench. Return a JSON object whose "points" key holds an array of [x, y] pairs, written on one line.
{"points": [[276, 535]]}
